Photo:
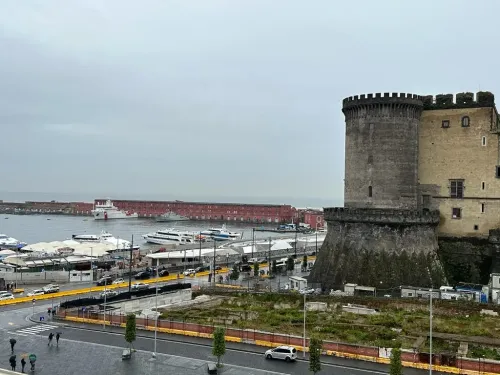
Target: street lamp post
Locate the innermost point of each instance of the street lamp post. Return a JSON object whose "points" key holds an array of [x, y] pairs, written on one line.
{"points": [[316, 238], [104, 312], [213, 266], [91, 272], [430, 331], [295, 245], [304, 338], [156, 307], [253, 241], [199, 255]]}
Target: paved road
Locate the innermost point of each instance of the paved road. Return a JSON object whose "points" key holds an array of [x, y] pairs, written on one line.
{"points": [[187, 355]]}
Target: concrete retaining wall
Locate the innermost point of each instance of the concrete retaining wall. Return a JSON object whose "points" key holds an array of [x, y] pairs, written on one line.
{"points": [[36, 277], [150, 302]]}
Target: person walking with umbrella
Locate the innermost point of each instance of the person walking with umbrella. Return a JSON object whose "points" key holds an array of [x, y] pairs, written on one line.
{"points": [[13, 362], [58, 336], [51, 336], [12, 343], [32, 358]]}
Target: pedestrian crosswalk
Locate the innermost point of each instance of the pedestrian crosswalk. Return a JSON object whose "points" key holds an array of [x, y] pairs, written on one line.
{"points": [[35, 329]]}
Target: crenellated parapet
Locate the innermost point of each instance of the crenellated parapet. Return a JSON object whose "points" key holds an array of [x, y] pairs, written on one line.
{"points": [[383, 105], [460, 100], [381, 216]]}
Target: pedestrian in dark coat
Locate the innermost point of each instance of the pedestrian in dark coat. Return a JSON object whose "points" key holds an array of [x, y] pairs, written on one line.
{"points": [[23, 363], [13, 362], [12, 343], [58, 336]]}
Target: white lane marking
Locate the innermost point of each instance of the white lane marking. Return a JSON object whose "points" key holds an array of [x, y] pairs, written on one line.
{"points": [[231, 350], [33, 330]]}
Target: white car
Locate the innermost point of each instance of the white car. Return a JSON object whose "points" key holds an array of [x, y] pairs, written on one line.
{"points": [[6, 296], [119, 281], [139, 286], [189, 272], [285, 352], [108, 294], [51, 288], [36, 292]]}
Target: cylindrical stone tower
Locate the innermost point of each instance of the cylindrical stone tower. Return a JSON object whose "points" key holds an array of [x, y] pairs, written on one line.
{"points": [[381, 151]]}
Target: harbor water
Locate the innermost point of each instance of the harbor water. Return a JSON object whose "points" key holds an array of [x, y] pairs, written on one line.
{"points": [[46, 228]]}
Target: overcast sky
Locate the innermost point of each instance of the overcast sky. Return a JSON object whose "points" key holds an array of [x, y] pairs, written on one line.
{"points": [[199, 99]]}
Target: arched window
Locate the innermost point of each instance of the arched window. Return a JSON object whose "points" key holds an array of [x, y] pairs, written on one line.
{"points": [[465, 121], [370, 192]]}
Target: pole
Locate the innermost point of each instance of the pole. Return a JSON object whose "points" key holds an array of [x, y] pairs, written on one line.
{"points": [[269, 262], [213, 267], [156, 308], [253, 241], [199, 256], [130, 268], [430, 332], [304, 340], [104, 312], [316, 238], [17, 265], [295, 245], [91, 272], [184, 260]]}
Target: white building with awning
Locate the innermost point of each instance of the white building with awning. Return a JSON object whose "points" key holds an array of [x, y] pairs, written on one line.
{"points": [[69, 247]]}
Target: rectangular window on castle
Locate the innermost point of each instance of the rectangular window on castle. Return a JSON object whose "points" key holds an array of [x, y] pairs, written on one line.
{"points": [[456, 213], [483, 185], [482, 208], [445, 124], [483, 141], [457, 189]]}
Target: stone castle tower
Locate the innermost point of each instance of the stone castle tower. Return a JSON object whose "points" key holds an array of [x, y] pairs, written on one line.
{"points": [[385, 235]]}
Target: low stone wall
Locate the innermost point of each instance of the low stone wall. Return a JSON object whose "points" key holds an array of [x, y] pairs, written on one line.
{"points": [[149, 303], [24, 278]]}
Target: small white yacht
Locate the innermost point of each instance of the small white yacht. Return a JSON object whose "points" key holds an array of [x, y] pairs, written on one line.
{"points": [[221, 233], [7, 241], [108, 211], [106, 238], [170, 236]]}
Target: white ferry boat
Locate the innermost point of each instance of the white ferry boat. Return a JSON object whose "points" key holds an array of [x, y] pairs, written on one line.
{"points": [[170, 236], [106, 238], [108, 211], [221, 233]]}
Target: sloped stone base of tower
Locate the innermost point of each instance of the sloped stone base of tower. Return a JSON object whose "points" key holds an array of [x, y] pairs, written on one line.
{"points": [[380, 248]]}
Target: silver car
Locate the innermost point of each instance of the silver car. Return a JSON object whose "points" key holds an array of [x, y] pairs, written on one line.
{"points": [[285, 352]]}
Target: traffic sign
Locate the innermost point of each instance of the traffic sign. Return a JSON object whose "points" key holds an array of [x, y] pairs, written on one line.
{"points": [[42, 318]]}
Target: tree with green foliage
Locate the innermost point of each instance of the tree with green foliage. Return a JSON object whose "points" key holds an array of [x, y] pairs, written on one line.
{"points": [[256, 269], [235, 273], [304, 262], [315, 347], [219, 348], [274, 268], [396, 367], [130, 330], [290, 264]]}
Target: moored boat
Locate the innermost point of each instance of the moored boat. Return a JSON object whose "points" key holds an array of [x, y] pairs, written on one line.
{"points": [[108, 211]]}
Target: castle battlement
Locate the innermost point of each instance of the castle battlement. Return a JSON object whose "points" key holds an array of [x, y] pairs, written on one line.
{"points": [[459, 100], [382, 99], [381, 216]]}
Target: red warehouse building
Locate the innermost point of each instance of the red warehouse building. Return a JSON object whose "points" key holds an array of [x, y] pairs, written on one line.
{"points": [[314, 218], [250, 213]]}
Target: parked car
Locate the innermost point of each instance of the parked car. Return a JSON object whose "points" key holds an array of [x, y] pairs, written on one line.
{"points": [[163, 273], [189, 272], [119, 281], [36, 292], [139, 286], [142, 275], [108, 294], [285, 352], [6, 296], [306, 291], [218, 268], [202, 269], [105, 280], [51, 288]]}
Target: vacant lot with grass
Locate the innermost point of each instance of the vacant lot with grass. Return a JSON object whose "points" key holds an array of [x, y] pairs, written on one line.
{"points": [[398, 322]]}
